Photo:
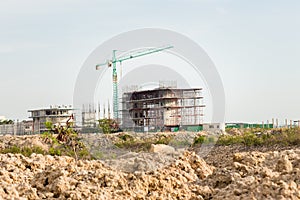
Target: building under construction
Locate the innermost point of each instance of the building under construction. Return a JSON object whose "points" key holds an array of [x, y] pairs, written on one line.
{"points": [[57, 115], [162, 109]]}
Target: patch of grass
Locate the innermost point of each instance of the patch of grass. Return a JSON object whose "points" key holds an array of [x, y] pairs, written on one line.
{"points": [[26, 151], [67, 151], [250, 139], [98, 155], [57, 150], [126, 137], [202, 139], [283, 136], [247, 139], [163, 139], [180, 143], [134, 145], [129, 142], [13, 149], [229, 140]]}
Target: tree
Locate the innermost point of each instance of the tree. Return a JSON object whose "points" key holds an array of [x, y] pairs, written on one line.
{"points": [[6, 121], [108, 126]]}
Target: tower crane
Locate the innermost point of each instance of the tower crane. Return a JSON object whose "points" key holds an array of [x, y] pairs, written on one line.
{"points": [[113, 62]]}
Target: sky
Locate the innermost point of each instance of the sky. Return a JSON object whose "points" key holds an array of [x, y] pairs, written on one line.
{"points": [[255, 46]]}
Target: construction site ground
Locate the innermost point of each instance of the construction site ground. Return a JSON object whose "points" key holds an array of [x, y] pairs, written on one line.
{"points": [[161, 172]]}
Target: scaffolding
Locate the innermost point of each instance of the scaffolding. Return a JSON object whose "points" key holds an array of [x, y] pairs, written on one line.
{"points": [[162, 109]]}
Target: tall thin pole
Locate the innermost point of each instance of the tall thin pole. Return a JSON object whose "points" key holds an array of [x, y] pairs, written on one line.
{"points": [[99, 117], [104, 111], [108, 110]]}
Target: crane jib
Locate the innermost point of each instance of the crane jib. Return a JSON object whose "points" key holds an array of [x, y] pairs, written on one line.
{"points": [[113, 62]]}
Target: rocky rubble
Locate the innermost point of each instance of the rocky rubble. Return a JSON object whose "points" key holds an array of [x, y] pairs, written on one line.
{"points": [[228, 172], [257, 175], [248, 175], [46, 177]]}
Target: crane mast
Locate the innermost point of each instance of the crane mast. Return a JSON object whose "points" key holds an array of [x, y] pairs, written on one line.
{"points": [[115, 88], [114, 61]]}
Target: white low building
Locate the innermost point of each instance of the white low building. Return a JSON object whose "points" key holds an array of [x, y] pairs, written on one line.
{"points": [[214, 126], [57, 115]]}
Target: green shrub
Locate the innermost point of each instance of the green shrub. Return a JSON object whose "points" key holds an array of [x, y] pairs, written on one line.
{"points": [[66, 141], [210, 139], [6, 122], [126, 137], [54, 151], [108, 126], [163, 139], [49, 138], [250, 139], [179, 143], [199, 140], [83, 153]]}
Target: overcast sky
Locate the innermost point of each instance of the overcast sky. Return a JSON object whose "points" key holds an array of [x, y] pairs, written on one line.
{"points": [[255, 46]]}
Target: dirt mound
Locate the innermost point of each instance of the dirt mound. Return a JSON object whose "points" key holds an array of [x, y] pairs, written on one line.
{"points": [[63, 177], [257, 175], [248, 175], [7, 141], [228, 172]]}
